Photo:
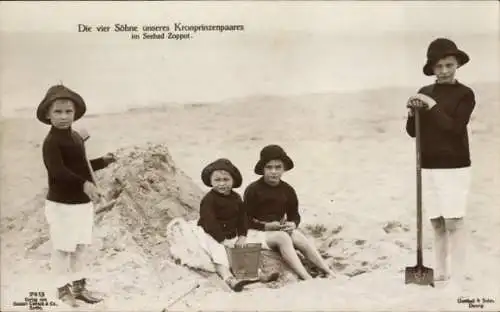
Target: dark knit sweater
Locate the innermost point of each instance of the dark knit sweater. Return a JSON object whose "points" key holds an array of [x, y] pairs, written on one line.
{"points": [[266, 203], [223, 216], [444, 139], [64, 158]]}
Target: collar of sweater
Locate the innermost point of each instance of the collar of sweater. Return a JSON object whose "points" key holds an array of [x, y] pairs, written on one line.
{"points": [[231, 194], [264, 183], [449, 84], [64, 132]]}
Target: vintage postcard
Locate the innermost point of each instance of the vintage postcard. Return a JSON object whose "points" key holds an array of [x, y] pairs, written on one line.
{"points": [[250, 155]]}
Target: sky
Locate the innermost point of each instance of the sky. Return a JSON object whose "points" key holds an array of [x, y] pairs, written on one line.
{"points": [[287, 48]]}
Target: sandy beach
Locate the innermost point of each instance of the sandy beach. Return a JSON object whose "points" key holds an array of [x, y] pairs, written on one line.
{"points": [[355, 169]]}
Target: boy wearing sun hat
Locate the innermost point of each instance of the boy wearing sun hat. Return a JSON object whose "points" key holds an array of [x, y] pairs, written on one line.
{"points": [[273, 210], [68, 207], [223, 220], [446, 107]]}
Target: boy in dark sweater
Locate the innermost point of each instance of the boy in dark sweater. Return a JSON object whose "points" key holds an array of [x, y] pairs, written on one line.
{"points": [[446, 107], [68, 207], [272, 208], [223, 220]]}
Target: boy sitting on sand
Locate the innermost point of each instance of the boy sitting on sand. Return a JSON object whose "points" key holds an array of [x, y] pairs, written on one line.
{"points": [[446, 107], [68, 206], [269, 201], [223, 220]]}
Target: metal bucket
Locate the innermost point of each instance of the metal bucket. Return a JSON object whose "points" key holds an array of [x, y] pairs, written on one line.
{"points": [[244, 262]]}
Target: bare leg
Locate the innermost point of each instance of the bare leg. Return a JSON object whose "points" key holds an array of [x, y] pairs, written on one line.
{"points": [[60, 267], [60, 270], [441, 248], [457, 236], [76, 263], [283, 242], [309, 250]]}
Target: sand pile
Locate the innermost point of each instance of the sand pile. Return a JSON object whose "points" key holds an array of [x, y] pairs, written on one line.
{"points": [[131, 239], [150, 191]]}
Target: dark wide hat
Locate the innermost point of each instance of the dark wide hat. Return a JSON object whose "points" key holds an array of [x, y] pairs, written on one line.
{"points": [[221, 164], [60, 92], [441, 48], [272, 152]]}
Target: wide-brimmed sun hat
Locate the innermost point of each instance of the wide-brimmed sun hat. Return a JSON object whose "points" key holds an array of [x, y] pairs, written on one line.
{"points": [[439, 49], [221, 164], [272, 152], [60, 92]]}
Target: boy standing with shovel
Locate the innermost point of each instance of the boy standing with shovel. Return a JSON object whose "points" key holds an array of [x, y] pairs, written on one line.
{"points": [[443, 110], [68, 207]]}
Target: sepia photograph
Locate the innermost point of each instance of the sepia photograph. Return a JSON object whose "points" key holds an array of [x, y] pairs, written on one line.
{"points": [[249, 155]]}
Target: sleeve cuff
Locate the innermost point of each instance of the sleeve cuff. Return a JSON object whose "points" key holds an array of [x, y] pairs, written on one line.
{"points": [[98, 163]]}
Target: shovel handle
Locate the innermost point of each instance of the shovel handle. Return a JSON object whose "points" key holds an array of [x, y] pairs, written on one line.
{"points": [[85, 136], [419, 188], [190, 290]]}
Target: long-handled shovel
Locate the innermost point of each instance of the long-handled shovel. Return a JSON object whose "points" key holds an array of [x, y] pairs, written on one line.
{"points": [[419, 274]]}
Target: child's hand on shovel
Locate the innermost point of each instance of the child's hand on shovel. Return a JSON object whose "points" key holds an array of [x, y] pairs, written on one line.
{"points": [[97, 197], [415, 102], [92, 191]]}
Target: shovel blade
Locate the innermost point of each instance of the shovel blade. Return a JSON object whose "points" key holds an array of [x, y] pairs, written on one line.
{"points": [[419, 275]]}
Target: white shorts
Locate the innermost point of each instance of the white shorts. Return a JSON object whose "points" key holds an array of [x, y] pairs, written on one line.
{"points": [[445, 192], [217, 251], [69, 224]]}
